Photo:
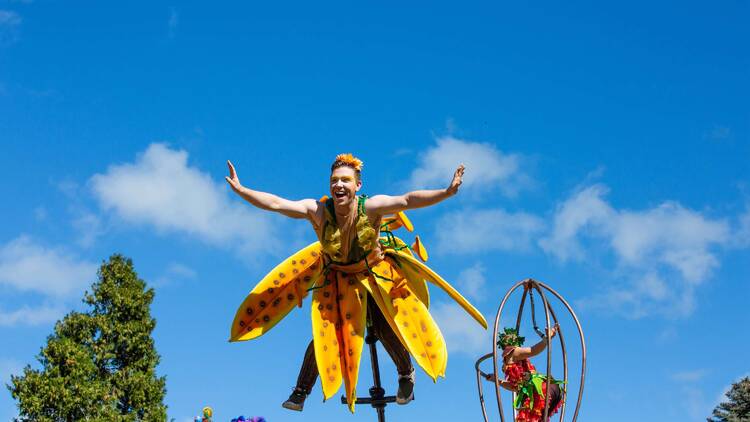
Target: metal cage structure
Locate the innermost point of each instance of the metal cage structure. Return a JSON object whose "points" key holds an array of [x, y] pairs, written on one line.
{"points": [[529, 287]]}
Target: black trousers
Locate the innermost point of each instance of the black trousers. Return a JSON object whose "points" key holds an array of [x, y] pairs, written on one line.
{"points": [[308, 373]]}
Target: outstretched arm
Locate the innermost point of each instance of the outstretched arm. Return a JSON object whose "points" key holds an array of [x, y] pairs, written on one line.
{"points": [[385, 204], [502, 383], [528, 352], [267, 201]]}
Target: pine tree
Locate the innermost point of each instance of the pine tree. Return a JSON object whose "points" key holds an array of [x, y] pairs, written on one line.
{"points": [[101, 364], [737, 409]]}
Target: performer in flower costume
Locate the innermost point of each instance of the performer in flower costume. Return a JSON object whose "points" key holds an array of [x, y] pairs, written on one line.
{"points": [[522, 378], [357, 279]]}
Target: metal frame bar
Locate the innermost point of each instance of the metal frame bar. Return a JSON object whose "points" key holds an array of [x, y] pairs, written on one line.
{"points": [[548, 311]]}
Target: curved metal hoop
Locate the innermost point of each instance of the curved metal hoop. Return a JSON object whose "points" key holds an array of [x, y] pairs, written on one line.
{"points": [[531, 285]]}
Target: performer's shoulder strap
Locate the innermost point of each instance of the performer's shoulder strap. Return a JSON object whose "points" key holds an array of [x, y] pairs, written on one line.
{"points": [[331, 211], [361, 204]]}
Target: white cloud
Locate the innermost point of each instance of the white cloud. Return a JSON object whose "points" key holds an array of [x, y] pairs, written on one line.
{"points": [[31, 316], [28, 266], [664, 249], [472, 282], [585, 209], [161, 190], [471, 231], [676, 236], [486, 167], [462, 334]]}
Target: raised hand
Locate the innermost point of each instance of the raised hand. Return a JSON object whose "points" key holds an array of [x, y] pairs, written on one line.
{"points": [[553, 330], [232, 179], [457, 180]]}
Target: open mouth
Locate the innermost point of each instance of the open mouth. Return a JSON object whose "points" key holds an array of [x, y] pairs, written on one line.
{"points": [[339, 194]]}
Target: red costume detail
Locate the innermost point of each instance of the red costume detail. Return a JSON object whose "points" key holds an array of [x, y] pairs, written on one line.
{"points": [[516, 374]]}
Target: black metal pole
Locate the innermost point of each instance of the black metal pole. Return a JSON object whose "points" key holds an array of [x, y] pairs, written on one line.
{"points": [[378, 400], [376, 391]]}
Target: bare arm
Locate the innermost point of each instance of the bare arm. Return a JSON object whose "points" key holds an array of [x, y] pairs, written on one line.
{"points": [[528, 352], [502, 383], [385, 204], [305, 208]]}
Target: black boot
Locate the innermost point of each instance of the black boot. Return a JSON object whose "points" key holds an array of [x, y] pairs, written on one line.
{"points": [[405, 392], [296, 400]]}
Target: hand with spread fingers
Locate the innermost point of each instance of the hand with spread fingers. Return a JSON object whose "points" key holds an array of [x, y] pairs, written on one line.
{"points": [[232, 179], [457, 180]]}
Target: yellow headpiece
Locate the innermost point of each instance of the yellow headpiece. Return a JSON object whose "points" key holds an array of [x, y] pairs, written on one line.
{"points": [[350, 161]]}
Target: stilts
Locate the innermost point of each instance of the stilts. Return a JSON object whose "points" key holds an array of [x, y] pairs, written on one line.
{"points": [[378, 400]]}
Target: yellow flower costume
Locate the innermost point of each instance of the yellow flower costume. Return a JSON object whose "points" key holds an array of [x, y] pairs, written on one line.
{"points": [[386, 270]]}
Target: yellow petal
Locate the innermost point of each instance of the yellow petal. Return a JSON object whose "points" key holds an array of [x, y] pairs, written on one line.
{"points": [[397, 221], [417, 284], [409, 318], [325, 319], [352, 314], [429, 275], [276, 294], [404, 220]]}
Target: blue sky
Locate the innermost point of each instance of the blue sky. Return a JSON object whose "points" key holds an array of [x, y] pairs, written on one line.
{"points": [[606, 149]]}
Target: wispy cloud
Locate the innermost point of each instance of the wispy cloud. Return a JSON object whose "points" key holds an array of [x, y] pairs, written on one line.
{"points": [[718, 133], [28, 266], [471, 231], [9, 18], [665, 249], [54, 274], [89, 227], [174, 20], [472, 282], [160, 190], [742, 235], [690, 376], [175, 272], [87, 223], [462, 334], [487, 168], [10, 21], [585, 210], [27, 315]]}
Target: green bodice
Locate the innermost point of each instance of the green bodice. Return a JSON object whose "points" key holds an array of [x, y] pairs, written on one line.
{"points": [[364, 241]]}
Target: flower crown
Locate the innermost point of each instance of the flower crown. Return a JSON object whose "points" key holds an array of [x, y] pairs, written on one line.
{"points": [[350, 161], [509, 337]]}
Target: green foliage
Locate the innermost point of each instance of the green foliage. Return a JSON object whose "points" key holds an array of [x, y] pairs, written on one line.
{"points": [[101, 364], [737, 409]]}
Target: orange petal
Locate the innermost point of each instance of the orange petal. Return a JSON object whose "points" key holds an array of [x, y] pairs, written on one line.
{"points": [[419, 248]]}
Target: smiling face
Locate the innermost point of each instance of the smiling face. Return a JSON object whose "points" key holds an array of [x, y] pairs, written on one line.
{"points": [[344, 185]]}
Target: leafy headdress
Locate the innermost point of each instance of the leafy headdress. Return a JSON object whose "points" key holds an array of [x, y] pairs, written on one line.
{"points": [[509, 337]]}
